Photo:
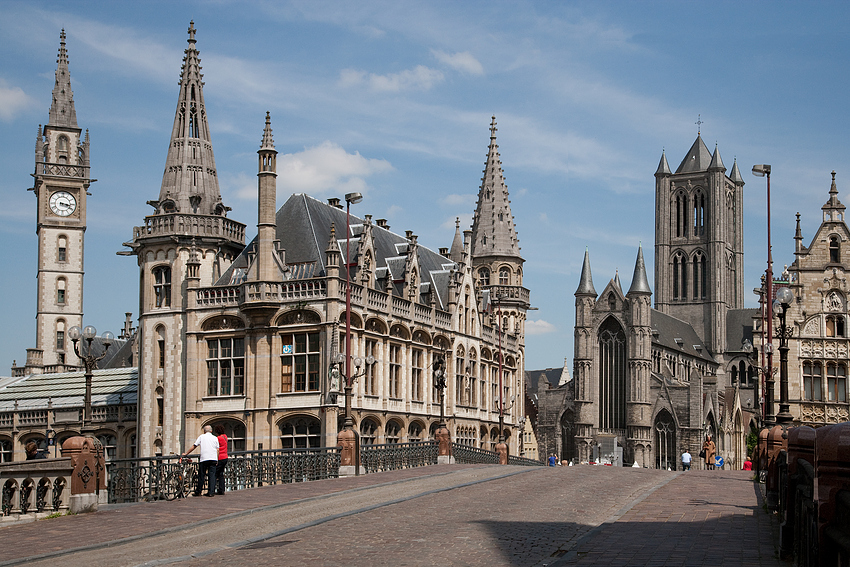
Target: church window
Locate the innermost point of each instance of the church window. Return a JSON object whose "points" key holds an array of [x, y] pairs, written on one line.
{"points": [[162, 286], [836, 383], [612, 375], [300, 362], [484, 277], [393, 432], [743, 375], [504, 276], [680, 281], [812, 377], [301, 433], [368, 432], [699, 275], [416, 356], [699, 214], [612, 302], [60, 291], [680, 212], [226, 367], [666, 455], [62, 250], [395, 371], [834, 250]]}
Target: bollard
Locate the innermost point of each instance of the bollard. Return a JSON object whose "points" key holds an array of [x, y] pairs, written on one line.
{"points": [[444, 444], [89, 476]]}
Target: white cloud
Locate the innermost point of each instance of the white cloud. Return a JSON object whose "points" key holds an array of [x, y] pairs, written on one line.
{"points": [[455, 200], [539, 327], [464, 61], [327, 168], [418, 78], [12, 100]]}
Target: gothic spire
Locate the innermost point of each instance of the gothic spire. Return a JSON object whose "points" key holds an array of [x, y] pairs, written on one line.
{"points": [[833, 203], [716, 161], [585, 286], [190, 182], [456, 251], [640, 284], [735, 174], [268, 141], [663, 166], [493, 230], [62, 112]]}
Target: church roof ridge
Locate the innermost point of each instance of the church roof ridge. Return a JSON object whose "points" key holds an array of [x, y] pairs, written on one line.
{"points": [[62, 111]]}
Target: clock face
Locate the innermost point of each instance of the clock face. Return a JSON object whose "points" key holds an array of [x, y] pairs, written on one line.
{"points": [[63, 203]]}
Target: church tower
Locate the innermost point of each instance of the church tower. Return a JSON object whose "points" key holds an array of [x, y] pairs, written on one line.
{"points": [[699, 243], [186, 243], [495, 254], [61, 182]]}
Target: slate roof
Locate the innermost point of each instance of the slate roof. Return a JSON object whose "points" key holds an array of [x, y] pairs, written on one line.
{"points": [[67, 389], [739, 326], [697, 159], [666, 329], [304, 228]]}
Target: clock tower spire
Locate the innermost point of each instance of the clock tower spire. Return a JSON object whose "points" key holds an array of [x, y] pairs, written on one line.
{"points": [[60, 183]]}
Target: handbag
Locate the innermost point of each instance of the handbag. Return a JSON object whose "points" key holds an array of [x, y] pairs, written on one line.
{"points": [[702, 454]]}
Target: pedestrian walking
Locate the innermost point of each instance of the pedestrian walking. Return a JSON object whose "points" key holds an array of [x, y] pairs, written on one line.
{"points": [[686, 461], [709, 450], [209, 458], [222, 458]]}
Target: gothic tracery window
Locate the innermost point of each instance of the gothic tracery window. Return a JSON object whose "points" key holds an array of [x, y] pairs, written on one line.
{"points": [[612, 375]]}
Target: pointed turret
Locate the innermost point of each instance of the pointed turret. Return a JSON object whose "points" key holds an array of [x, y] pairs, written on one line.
{"points": [[62, 112], [697, 159], [663, 167], [190, 182], [798, 236], [640, 283], [833, 210], [616, 281], [735, 175], [456, 252], [266, 206], [716, 161], [493, 231], [585, 286]]}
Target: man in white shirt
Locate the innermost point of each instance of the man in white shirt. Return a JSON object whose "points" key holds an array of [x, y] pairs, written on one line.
{"points": [[209, 459], [686, 461]]}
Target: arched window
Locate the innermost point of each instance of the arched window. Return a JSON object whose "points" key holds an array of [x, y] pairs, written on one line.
{"points": [[162, 286], [699, 214], [60, 291], [680, 281], [612, 375], [414, 432], [666, 456], [698, 270], [393, 432], [60, 335], [460, 382], [484, 277], [109, 443], [5, 450], [235, 432], [680, 214], [62, 249], [368, 432], [504, 276], [834, 250], [301, 433]]}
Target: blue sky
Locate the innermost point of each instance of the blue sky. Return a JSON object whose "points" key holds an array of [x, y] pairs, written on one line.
{"points": [[394, 99]]}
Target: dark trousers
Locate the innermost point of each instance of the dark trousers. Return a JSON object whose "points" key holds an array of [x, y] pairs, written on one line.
{"points": [[219, 476], [206, 472]]}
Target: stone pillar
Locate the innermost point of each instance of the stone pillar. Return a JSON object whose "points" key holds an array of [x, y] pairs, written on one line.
{"points": [[88, 481], [348, 443], [801, 447], [502, 451], [832, 468], [775, 444]]}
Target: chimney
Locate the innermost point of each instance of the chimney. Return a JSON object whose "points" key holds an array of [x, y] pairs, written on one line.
{"points": [[334, 202], [382, 223]]}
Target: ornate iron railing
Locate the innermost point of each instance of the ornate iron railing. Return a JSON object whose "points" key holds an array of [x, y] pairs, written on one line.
{"points": [[468, 455], [250, 469], [152, 478], [394, 456], [515, 460]]}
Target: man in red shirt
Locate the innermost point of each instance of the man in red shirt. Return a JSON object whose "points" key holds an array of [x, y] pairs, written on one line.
{"points": [[222, 458]]}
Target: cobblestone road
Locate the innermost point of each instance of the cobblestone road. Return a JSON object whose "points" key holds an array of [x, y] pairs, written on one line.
{"points": [[445, 515]]}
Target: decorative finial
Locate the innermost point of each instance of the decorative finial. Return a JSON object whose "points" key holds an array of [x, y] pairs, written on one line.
{"points": [[192, 31], [493, 128], [699, 124]]}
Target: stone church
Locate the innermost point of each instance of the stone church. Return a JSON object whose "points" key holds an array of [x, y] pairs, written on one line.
{"points": [[655, 381], [248, 336]]}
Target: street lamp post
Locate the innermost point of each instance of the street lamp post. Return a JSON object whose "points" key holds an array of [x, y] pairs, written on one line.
{"points": [[442, 434], [763, 170], [347, 439], [784, 297], [88, 358]]}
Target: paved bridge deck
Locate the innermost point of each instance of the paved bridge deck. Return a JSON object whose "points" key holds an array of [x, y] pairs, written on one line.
{"points": [[478, 515]]}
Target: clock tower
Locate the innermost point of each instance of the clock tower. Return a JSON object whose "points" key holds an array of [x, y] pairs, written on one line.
{"points": [[61, 181]]}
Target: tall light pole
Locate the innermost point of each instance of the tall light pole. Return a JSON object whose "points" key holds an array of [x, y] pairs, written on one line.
{"points": [[348, 440], [90, 361], [784, 297], [762, 170]]}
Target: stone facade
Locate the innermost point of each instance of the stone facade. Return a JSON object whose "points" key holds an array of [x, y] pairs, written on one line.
{"points": [[819, 351], [253, 337]]}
